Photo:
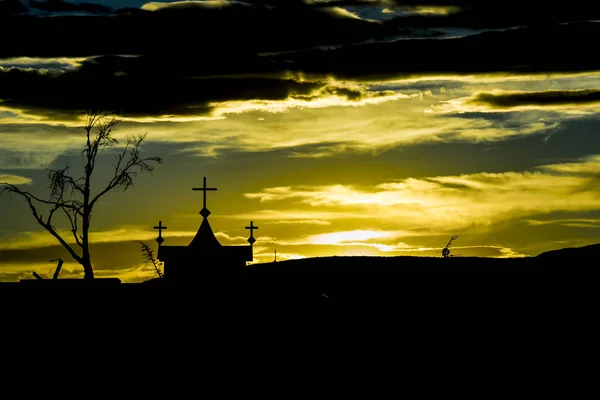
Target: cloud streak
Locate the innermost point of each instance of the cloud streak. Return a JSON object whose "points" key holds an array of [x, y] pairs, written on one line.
{"points": [[578, 100], [32, 240], [14, 179], [457, 202]]}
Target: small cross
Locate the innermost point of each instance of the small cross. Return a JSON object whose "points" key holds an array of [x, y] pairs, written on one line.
{"points": [[204, 212], [252, 228], [160, 227]]}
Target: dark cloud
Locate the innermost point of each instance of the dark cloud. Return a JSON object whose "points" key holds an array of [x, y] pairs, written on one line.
{"points": [[155, 86], [545, 98], [66, 95], [499, 14], [11, 7], [260, 50], [61, 6], [563, 48], [207, 32]]}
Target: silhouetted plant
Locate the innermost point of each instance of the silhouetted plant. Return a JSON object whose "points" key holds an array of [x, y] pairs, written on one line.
{"points": [[73, 196], [148, 254], [446, 250]]}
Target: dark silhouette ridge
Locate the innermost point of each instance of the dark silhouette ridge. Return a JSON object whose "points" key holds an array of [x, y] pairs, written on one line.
{"points": [[579, 254], [326, 282]]}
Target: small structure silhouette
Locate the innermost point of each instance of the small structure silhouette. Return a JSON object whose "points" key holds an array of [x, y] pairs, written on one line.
{"points": [[446, 250], [58, 267], [205, 257], [56, 272]]}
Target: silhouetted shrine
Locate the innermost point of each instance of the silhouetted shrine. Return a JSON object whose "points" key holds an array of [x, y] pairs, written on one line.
{"points": [[204, 256]]}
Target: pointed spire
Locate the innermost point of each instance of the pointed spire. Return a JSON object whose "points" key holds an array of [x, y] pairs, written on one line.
{"points": [[205, 238]]}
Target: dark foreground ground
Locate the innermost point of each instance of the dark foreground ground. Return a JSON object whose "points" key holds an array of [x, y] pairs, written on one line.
{"points": [[332, 284], [459, 316]]}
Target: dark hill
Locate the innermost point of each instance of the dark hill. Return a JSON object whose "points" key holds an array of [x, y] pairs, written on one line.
{"points": [[377, 265], [326, 282], [591, 253]]}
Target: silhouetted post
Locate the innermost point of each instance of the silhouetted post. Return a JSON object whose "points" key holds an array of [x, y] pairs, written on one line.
{"points": [[275, 256], [160, 227], [251, 239], [204, 212], [37, 276], [58, 267]]}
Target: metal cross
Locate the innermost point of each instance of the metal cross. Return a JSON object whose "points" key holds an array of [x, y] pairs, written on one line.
{"points": [[252, 228], [160, 227], [204, 212]]}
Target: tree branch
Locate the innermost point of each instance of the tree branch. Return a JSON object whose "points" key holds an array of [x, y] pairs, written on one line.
{"points": [[124, 174], [38, 217], [71, 204], [52, 211], [51, 230], [73, 221]]}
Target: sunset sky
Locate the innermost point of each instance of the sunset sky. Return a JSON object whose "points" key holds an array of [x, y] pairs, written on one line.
{"points": [[338, 127]]}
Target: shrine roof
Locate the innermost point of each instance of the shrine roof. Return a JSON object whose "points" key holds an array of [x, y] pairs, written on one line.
{"points": [[205, 238]]}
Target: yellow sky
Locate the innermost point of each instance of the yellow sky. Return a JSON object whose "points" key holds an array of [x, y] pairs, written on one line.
{"points": [[396, 173]]}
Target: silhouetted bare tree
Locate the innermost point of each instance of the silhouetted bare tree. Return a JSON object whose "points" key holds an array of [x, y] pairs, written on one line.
{"points": [[73, 197]]}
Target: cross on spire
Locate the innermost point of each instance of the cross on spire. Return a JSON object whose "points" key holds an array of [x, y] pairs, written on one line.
{"points": [[160, 227], [204, 212], [252, 228]]}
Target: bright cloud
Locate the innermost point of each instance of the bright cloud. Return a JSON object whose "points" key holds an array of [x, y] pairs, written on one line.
{"points": [[156, 5], [457, 202], [570, 222], [59, 63], [31, 240], [429, 10], [349, 236], [14, 179]]}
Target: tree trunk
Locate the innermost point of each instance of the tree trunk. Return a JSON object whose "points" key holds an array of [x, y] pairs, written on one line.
{"points": [[85, 238], [85, 241], [87, 267]]}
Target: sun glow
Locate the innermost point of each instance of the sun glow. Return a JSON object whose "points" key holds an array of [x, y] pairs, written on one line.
{"points": [[349, 236]]}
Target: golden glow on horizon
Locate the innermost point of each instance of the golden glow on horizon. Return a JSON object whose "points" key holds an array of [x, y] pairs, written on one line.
{"points": [[349, 236], [457, 202]]}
